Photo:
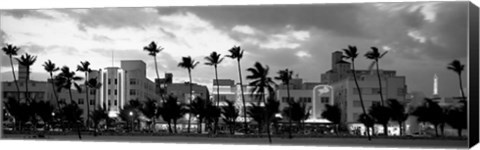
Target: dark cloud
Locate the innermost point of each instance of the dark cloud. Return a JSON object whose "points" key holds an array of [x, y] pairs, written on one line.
{"points": [[338, 18], [23, 13]]}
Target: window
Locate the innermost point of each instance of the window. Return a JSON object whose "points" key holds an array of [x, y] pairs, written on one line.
{"points": [[33, 84], [9, 84], [109, 92], [133, 81], [324, 100], [80, 101], [375, 103], [284, 99], [132, 92], [92, 91], [115, 102], [309, 99], [109, 80], [115, 81], [109, 103], [92, 102], [375, 91], [400, 92], [356, 116], [115, 91], [357, 103]]}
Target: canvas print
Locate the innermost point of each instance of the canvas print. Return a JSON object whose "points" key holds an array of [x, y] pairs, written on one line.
{"points": [[354, 74]]}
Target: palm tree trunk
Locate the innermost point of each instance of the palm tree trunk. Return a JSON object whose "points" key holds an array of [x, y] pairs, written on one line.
{"points": [[27, 95], [360, 95], [245, 125], [461, 87], [78, 131], [189, 116], [70, 93], [54, 91], [267, 120], [169, 126], [436, 130], [289, 112], [218, 98], [385, 129], [88, 100], [400, 127], [175, 125], [380, 83], [15, 79], [156, 68]]}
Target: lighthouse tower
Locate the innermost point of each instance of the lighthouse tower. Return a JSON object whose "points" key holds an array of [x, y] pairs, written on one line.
{"points": [[435, 85]]}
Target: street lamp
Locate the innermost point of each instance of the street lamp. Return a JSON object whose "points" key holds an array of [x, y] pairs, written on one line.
{"points": [[131, 119]]}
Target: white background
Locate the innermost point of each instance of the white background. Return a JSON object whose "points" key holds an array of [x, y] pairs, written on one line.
{"points": [[29, 4]]}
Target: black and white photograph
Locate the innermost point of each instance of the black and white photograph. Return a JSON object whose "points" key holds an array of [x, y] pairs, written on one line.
{"points": [[358, 74]]}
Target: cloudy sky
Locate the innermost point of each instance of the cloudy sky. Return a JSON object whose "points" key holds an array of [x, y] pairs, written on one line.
{"points": [[421, 37]]}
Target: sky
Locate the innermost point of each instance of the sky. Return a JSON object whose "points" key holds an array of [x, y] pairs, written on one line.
{"points": [[421, 38]]}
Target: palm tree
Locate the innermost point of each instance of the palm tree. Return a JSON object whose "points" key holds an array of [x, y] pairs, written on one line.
{"points": [[172, 110], [430, 112], [375, 56], [285, 76], [261, 82], [51, 68], [333, 114], [149, 110], [237, 53], [85, 67], [367, 120], [11, 51], [44, 110], [257, 113], [213, 60], [27, 61], [72, 114], [212, 113], [230, 114], [457, 67], [189, 64], [152, 50], [129, 113], [17, 110], [351, 53], [457, 118], [198, 108], [299, 112], [97, 116], [397, 112], [66, 79], [380, 115], [272, 106]]}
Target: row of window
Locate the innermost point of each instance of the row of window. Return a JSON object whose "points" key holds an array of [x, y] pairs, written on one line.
{"points": [[300, 99], [33, 84], [358, 104], [375, 91]]}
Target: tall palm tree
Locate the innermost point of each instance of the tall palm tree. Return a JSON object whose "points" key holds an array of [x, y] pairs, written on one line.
{"points": [[213, 60], [397, 112], [66, 79], [85, 67], [285, 76], [51, 68], [260, 83], [351, 53], [375, 56], [11, 51], [257, 113], [333, 114], [189, 64], [72, 114], [457, 67], [27, 61], [237, 53], [153, 49], [430, 112], [457, 118], [299, 112]]}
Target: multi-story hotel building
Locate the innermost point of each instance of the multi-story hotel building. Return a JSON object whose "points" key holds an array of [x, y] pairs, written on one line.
{"points": [[346, 93]]}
